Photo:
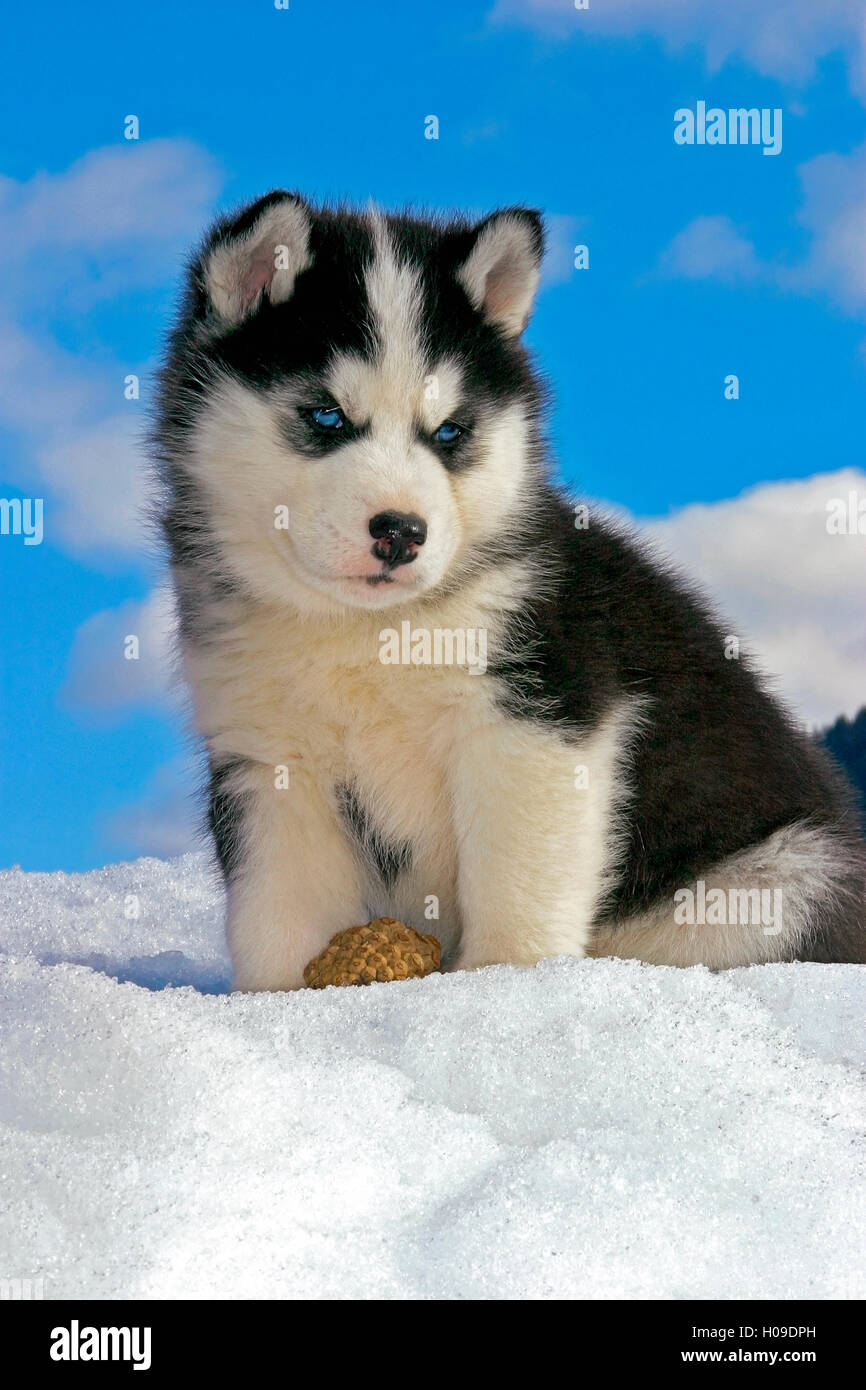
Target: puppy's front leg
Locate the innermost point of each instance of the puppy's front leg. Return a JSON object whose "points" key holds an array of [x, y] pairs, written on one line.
{"points": [[292, 877], [533, 820]]}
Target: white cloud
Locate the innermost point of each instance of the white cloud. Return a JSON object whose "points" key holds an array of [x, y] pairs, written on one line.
{"points": [[711, 246], [102, 682], [834, 214], [779, 38], [560, 238], [116, 216], [166, 819], [833, 211], [117, 220], [132, 191], [103, 687], [99, 483], [77, 449], [40, 383], [793, 593]]}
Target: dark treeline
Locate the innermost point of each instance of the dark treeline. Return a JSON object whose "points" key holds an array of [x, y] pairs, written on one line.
{"points": [[846, 740]]}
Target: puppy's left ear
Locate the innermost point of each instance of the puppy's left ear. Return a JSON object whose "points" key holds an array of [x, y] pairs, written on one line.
{"points": [[501, 272]]}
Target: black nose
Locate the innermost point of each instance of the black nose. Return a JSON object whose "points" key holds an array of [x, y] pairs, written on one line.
{"points": [[397, 536]]}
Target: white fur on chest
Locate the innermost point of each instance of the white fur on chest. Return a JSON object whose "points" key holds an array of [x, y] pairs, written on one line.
{"points": [[281, 690], [313, 696], [498, 821]]}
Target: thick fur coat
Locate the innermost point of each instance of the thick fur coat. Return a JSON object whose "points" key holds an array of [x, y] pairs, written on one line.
{"points": [[350, 433]]}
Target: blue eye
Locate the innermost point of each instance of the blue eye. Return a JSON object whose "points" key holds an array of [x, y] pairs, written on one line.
{"points": [[327, 417], [447, 432]]}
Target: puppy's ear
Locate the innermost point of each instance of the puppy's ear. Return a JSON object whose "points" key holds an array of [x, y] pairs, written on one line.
{"points": [[500, 274], [256, 255]]}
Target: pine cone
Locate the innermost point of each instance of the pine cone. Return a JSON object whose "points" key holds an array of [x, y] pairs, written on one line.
{"points": [[383, 950]]}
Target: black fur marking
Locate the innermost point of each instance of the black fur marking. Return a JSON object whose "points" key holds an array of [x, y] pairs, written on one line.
{"points": [[226, 810], [718, 765], [496, 369], [389, 861], [318, 444], [326, 313]]}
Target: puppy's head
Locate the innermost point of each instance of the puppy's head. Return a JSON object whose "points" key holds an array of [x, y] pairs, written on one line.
{"points": [[349, 399]]}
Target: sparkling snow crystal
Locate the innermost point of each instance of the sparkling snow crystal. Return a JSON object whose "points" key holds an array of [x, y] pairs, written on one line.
{"points": [[588, 1129]]}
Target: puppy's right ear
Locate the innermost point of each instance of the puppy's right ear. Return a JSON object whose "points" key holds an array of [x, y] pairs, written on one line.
{"points": [[256, 255]]}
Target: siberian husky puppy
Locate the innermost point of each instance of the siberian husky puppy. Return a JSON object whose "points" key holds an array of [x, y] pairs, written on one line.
{"points": [[429, 685]]}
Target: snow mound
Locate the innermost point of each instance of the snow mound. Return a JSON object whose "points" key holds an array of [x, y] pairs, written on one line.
{"points": [[583, 1129]]}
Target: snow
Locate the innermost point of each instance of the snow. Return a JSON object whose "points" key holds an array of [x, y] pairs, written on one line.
{"points": [[583, 1129]]}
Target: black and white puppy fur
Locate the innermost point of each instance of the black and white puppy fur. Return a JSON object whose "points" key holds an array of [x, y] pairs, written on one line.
{"points": [[352, 365]]}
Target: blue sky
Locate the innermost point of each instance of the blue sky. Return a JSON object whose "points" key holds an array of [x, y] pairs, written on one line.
{"points": [[704, 261]]}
